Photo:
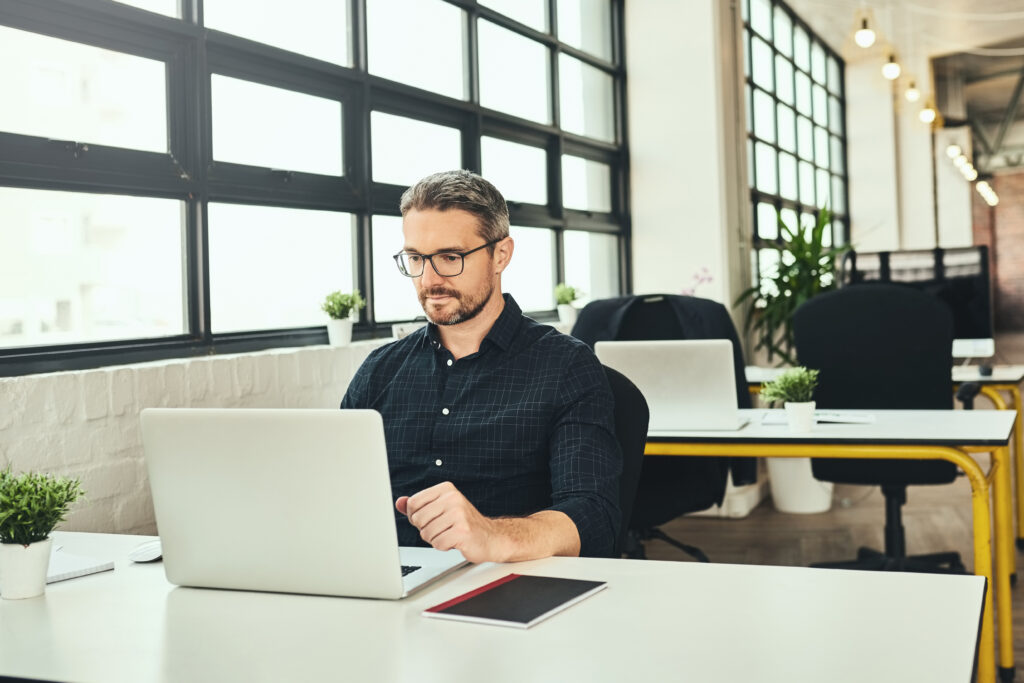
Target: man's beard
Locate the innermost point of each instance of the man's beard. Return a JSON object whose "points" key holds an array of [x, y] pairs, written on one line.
{"points": [[469, 305]]}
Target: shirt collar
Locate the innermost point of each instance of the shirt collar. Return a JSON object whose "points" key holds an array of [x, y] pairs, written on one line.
{"points": [[502, 332]]}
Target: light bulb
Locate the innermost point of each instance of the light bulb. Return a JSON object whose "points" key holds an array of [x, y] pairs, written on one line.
{"points": [[912, 94], [971, 174], [864, 36], [953, 151], [960, 161], [983, 186], [891, 69], [927, 115]]}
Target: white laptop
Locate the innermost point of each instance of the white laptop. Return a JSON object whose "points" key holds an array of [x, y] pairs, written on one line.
{"points": [[688, 384], [292, 501]]}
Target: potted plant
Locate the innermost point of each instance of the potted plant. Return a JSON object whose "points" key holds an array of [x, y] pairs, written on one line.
{"points": [[806, 267], [341, 308], [564, 296], [795, 388], [794, 488], [31, 505]]}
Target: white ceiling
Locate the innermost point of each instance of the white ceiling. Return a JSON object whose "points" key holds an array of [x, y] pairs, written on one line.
{"points": [[964, 38], [925, 28]]}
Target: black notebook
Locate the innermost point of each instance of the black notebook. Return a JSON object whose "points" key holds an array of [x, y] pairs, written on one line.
{"points": [[516, 600]]}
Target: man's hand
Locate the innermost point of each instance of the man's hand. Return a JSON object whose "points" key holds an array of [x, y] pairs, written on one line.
{"points": [[447, 520]]}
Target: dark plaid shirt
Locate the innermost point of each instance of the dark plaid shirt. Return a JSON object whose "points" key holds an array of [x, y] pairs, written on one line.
{"points": [[524, 424]]}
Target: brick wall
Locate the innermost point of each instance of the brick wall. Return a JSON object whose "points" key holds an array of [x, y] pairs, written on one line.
{"points": [[1002, 228], [86, 423]]}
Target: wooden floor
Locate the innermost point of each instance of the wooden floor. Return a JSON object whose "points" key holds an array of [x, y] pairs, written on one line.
{"points": [[936, 518]]}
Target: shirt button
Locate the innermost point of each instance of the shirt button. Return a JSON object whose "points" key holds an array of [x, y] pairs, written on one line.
{"points": [[444, 411], [449, 362], [438, 462]]}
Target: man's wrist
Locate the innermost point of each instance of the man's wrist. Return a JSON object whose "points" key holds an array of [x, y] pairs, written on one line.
{"points": [[542, 534]]}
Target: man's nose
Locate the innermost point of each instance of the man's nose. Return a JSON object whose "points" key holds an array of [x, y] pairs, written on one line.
{"points": [[430, 276]]}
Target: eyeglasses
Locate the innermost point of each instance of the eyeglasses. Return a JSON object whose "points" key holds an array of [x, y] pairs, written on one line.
{"points": [[445, 263]]}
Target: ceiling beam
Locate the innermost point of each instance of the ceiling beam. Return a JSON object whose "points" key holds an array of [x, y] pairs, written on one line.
{"points": [[992, 76], [1011, 112], [980, 135]]}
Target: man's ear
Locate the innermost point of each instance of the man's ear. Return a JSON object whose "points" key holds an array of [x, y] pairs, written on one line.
{"points": [[503, 254]]}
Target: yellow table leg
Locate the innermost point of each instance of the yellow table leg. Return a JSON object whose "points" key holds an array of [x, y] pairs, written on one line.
{"points": [[1005, 557], [979, 503], [992, 393], [1018, 460]]}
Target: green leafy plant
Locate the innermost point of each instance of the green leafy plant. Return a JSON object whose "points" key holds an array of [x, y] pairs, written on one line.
{"points": [[806, 268], [32, 504], [795, 385], [340, 306], [566, 294]]}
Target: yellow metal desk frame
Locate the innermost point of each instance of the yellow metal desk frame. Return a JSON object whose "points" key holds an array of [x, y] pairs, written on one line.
{"points": [[998, 477]]}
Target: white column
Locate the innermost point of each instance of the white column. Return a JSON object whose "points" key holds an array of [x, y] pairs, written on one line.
{"points": [[871, 158], [690, 202]]}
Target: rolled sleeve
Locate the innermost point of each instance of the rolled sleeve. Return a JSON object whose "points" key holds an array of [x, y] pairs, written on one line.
{"points": [[585, 457]]}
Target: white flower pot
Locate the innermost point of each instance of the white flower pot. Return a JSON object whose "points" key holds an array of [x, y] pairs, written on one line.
{"points": [[339, 332], [567, 314], [800, 416], [794, 488], [23, 569]]}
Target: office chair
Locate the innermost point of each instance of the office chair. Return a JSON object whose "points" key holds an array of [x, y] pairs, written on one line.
{"points": [[881, 346], [670, 486], [631, 416]]}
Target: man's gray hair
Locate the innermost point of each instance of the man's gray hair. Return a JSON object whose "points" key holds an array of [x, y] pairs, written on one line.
{"points": [[461, 190]]}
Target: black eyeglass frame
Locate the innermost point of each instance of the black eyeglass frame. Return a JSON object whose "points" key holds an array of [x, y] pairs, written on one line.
{"points": [[430, 258]]}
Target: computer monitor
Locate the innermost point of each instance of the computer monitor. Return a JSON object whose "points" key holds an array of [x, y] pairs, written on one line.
{"points": [[960, 277]]}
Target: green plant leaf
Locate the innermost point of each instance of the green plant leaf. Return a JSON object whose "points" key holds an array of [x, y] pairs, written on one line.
{"points": [[340, 306], [806, 267], [32, 504], [796, 385]]}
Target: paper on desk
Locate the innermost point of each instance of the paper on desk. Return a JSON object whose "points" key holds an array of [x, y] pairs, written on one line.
{"points": [[778, 417], [64, 566]]}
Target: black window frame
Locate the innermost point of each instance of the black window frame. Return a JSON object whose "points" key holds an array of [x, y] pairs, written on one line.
{"points": [[188, 173], [840, 227]]}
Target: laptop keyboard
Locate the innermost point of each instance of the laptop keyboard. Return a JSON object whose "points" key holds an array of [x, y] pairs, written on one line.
{"points": [[408, 569]]}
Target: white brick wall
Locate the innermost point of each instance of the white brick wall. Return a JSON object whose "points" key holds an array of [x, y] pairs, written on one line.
{"points": [[86, 423]]}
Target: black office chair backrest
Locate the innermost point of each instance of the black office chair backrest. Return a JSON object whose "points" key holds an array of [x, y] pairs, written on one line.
{"points": [[631, 417], [651, 318], [878, 346], [671, 486]]}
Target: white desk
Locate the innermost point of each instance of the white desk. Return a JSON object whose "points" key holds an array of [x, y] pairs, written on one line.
{"points": [[951, 435], [709, 623]]}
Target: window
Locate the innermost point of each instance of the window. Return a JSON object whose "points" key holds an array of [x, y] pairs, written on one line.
{"points": [[67, 91], [405, 150], [89, 267], [586, 99], [587, 184], [531, 273], [260, 281], [419, 42], [514, 73], [795, 128], [264, 21], [533, 13], [519, 170], [243, 111], [154, 204]]}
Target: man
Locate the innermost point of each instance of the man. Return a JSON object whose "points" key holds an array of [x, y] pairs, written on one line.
{"points": [[499, 429]]}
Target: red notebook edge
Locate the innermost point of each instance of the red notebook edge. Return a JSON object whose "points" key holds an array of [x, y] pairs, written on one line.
{"points": [[473, 593]]}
